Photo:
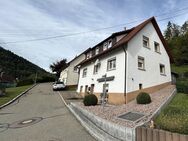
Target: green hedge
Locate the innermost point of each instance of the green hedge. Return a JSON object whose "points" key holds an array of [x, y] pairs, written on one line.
{"points": [[45, 79], [25, 82], [182, 86]]}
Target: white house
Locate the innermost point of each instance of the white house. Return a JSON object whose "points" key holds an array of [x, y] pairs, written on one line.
{"points": [[133, 60], [70, 75]]}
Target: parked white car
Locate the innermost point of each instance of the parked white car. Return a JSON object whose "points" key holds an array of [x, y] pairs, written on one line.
{"points": [[58, 86]]}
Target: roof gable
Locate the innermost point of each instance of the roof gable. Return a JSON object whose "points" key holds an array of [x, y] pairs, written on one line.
{"points": [[132, 32]]}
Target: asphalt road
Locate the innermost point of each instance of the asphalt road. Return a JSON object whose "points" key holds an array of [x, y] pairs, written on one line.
{"points": [[40, 115]]}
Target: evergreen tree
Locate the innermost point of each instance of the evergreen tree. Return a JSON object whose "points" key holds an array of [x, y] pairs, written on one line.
{"points": [[168, 31]]}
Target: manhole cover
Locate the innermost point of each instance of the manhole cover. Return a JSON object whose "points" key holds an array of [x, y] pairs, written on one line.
{"points": [[131, 116], [26, 122]]}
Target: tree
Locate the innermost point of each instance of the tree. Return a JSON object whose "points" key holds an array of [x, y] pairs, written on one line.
{"points": [[184, 28], [168, 31], [58, 66]]}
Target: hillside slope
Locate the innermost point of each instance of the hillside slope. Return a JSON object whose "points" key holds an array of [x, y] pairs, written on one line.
{"points": [[18, 67]]}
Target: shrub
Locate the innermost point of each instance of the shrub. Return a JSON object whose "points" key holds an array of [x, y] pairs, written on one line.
{"points": [[143, 98], [182, 86], [25, 82], [90, 99], [44, 79]]}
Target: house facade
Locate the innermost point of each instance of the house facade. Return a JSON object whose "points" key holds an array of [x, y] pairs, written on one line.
{"points": [[70, 75], [129, 61]]}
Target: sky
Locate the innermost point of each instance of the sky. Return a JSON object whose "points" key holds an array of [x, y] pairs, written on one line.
{"points": [[23, 21]]}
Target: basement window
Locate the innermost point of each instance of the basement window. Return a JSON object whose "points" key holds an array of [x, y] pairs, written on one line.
{"points": [[140, 86]]}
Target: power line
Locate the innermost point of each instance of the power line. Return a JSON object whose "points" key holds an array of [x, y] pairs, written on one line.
{"points": [[74, 34]]}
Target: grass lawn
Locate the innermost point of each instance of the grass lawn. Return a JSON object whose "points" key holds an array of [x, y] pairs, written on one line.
{"points": [[174, 117], [12, 92]]}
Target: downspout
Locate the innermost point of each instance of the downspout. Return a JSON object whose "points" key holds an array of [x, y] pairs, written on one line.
{"points": [[125, 80]]}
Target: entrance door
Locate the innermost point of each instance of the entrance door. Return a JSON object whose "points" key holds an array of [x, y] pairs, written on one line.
{"points": [[92, 88]]}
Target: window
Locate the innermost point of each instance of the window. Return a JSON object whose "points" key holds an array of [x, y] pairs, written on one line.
{"points": [[145, 41], [157, 47], [109, 43], [81, 87], [96, 69], [84, 72], [88, 55], [86, 89], [75, 69], [111, 65], [97, 50], [105, 46], [162, 69], [141, 64]]}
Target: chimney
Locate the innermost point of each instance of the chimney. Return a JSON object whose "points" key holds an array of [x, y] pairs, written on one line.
{"points": [[124, 28]]}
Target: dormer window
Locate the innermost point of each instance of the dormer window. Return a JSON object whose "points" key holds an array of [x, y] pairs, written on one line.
{"points": [[109, 43], [97, 50], [88, 55], [105, 46]]}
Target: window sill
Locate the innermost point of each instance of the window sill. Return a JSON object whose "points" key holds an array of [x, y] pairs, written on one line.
{"points": [[163, 74], [111, 69], [147, 47], [141, 69], [158, 52]]}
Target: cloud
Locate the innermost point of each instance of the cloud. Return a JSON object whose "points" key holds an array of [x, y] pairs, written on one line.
{"points": [[31, 19]]}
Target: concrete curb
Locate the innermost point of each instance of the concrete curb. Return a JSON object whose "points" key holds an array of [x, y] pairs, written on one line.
{"points": [[17, 97]]}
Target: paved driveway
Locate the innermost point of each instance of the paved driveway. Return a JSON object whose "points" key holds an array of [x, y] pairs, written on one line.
{"points": [[40, 116]]}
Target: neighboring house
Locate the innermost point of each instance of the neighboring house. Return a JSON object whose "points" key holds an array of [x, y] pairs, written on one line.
{"points": [[133, 60], [70, 75]]}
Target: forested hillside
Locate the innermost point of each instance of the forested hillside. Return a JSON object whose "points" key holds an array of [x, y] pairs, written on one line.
{"points": [[18, 67], [177, 39]]}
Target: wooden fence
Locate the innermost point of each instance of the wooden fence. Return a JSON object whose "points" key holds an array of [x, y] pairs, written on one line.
{"points": [[148, 134]]}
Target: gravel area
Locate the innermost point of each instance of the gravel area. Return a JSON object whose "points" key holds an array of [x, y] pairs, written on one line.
{"points": [[111, 112]]}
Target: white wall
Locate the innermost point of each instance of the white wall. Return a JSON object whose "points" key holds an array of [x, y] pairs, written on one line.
{"points": [[152, 75], [115, 86], [72, 78], [63, 76]]}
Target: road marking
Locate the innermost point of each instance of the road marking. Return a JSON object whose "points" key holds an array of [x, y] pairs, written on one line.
{"points": [[62, 99]]}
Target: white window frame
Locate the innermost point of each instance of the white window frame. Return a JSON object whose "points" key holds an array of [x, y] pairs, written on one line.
{"points": [[109, 43], [157, 47], [162, 70], [96, 69], [84, 73], [142, 61], [105, 46], [97, 50], [145, 39], [111, 64]]}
